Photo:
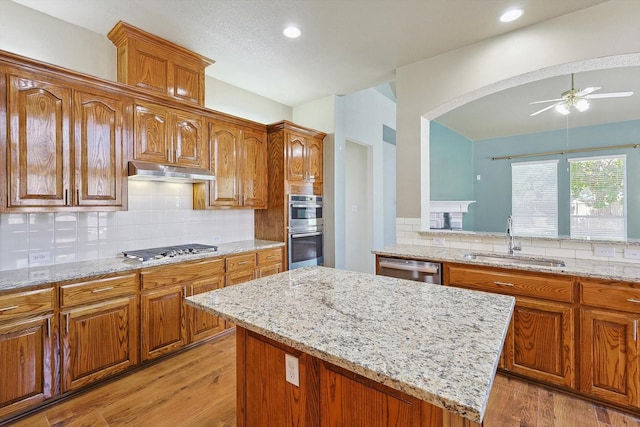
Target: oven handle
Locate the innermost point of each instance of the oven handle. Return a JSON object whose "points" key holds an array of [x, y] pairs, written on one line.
{"points": [[305, 206], [421, 269], [317, 233]]}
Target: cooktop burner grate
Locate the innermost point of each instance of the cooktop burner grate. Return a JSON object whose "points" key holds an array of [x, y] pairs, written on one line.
{"points": [[168, 251]]}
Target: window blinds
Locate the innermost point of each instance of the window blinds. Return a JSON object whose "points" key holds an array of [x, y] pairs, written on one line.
{"points": [[534, 198]]}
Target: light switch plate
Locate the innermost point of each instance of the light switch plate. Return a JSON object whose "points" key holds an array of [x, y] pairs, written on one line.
{"points": [[292, 372], [607, 251], [438, 241], [632, 253]]}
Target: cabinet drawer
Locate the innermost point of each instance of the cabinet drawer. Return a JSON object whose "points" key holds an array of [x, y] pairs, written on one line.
{"points": [[601, 294], [97, 290], [241, 262], [510, 282], [25, 304], [181, 272], [270, 257]]}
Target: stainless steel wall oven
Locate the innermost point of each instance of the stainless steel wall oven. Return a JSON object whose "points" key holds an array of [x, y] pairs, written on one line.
{"points": [[306, 236]]}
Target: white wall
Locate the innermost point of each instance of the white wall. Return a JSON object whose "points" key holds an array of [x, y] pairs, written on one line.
{"points": [[610, 28], [359, 212], [159, 213]]}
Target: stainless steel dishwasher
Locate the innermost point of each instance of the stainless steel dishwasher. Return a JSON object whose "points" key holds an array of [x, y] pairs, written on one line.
{"points": [[421, 271]]}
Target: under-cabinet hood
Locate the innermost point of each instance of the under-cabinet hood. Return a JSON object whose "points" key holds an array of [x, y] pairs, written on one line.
{"points": [[156, 172]]}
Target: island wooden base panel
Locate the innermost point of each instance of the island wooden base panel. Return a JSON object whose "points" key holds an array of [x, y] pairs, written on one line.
{"points": [[197, 388]]}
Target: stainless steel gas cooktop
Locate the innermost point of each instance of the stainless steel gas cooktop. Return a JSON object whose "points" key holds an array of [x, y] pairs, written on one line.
{"points": [[143, 255]]}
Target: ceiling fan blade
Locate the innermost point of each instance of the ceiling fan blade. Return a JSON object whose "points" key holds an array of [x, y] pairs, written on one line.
{"points": [[546, 100], [609, 95], [588, 90], [548, 107]]}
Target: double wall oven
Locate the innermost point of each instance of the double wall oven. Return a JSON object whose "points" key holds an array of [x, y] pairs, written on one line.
{"points": [[306, 235]]}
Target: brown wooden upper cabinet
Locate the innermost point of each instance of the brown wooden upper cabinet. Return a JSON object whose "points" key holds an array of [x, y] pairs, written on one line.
{"points": [[152, 63], [304, 158], [168, 136], [64, 146], [239, 161]]}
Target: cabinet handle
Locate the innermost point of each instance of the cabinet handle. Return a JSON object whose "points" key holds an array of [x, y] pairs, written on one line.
{"points": [[635, 329], [48, 326], [272, 256], [243, 262], [637, 301], [66, 197], [77, 196], [503, 283], [13, 307], [66, 330], [95, 291], [184, 289]]}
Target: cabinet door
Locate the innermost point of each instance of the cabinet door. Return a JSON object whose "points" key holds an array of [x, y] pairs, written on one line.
{"points": [[252, 168], [203, 324], [187, 140], [223, 141], [540, 341], [609, 363], [296, 163], [151, 136], [163, 321], [26, 364], [270, 270], [314, 160], [39, 135], [98, 341], [98, 149]]}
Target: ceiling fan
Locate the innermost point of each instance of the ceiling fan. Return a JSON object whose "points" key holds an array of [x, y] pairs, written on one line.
{"points": [[577, 98]]}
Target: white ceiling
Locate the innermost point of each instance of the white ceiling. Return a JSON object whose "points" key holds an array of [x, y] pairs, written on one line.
{"points": [[346, 45], [508, 112]]}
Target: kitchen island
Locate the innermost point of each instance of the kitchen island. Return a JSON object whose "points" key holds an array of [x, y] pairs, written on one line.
{"points": [[319, 346]]}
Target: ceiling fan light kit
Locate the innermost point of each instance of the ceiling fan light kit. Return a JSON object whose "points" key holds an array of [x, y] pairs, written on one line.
{"points": [[577, 98]]}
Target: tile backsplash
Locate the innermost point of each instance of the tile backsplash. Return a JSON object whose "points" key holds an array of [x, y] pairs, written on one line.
{"points": [[408, 232], [160, 214]]}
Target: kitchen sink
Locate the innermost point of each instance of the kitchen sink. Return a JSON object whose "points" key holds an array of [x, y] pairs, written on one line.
{"points": [[512, 259]]}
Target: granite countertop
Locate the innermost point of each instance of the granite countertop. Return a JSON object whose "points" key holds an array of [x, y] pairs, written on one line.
{"points": [[12, 280], [574, 267], [436, 343]]}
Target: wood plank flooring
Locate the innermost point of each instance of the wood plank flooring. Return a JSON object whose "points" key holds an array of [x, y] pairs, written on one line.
{"points": [[197, 388]]}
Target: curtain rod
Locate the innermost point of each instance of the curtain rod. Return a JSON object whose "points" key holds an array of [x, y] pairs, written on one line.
{"points": [[576, 150]]}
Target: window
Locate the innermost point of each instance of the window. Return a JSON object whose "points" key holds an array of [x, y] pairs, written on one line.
{"points": [[534, 198], [598, 208]]}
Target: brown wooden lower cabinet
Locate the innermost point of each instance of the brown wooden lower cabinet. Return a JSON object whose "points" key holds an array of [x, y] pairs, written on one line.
{"points": [[26, 363], [202, 324], [327, 395], [163, 316], [609, 363], [99, 329], [540, 341]]}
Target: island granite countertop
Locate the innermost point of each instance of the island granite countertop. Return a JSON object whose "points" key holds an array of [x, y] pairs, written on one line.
{"points": [[575, 267], [436, 343], [26, 278]]}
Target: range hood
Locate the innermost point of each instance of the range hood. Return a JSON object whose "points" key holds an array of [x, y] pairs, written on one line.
{"points": [[145, 171]]}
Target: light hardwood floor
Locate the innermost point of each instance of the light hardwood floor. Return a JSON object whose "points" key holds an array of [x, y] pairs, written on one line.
{"points": [[197, 388]]}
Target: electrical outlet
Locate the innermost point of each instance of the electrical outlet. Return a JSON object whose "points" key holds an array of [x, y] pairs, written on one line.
{"points": [[292, 372], [438, 241], [39, 257], [606, 251], [632, 253], [216, 239]]}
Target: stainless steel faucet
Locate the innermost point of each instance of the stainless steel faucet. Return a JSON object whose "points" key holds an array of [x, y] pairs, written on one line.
{"points": [[511, 243]]}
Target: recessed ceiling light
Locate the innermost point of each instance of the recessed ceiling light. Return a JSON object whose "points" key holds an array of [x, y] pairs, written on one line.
{"points": [[292, 32], [511, 15]]}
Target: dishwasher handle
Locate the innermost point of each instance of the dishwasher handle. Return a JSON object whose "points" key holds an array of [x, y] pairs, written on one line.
{"points": [[425, 268]]}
